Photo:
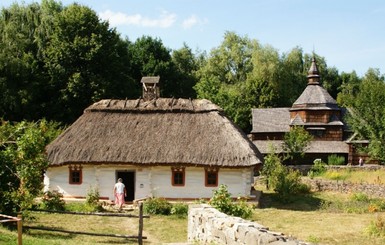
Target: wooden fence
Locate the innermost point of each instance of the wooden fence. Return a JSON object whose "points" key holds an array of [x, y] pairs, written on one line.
{"points": [[139, 236], [17, 219]]}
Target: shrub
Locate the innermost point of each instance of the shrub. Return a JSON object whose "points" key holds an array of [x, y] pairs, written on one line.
{"points": [[157, 206], [179, 209], [317, 169], [52, 200], [336, 160], [221, 200], [287, 183], [92, 200], [377, 227], [360, 197]]}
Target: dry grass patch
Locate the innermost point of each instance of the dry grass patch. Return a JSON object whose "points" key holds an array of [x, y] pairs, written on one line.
{"points": [[376, 177], [320, 227]]}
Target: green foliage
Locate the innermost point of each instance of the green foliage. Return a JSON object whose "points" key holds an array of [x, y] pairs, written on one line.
{"points": [[360, 197], [334, 159], [67, 53], [157, 206], [22, 162], [92, 199], [317, 169], [357, 203], [296, 142], [285, 182], [179, 209], [271, 162], [52, 200], [377, 227], [366, 115], [222, 201]]}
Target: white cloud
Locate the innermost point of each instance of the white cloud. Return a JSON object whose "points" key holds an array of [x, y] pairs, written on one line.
{"points": [[192, 21], [118, 18]]}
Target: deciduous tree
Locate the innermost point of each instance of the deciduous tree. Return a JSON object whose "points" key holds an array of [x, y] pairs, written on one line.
{"points": [[22, 162]]}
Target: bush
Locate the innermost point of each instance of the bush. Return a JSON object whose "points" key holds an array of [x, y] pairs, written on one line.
{"points": [[52, 200], [336, 160], [179, 209], [287, 183], [92, 200], [317, 169], [157, 206], [221, 200]]}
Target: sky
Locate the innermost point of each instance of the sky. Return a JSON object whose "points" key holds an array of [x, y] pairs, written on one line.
{"points": [[349, 34]]}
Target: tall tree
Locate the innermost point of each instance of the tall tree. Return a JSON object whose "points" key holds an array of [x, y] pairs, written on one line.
{"points": [[367, 113], [151, 58], [222, 78], [186, 65], [86, 61], [22, 40], [55, 61]]}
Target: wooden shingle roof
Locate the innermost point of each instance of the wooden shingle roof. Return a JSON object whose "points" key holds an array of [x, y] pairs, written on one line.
{"points": [[271, 120]]}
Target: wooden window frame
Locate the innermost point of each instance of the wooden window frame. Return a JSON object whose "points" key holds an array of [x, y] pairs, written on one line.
{"points": [[75, 169], [208, 172], [178, 170]]}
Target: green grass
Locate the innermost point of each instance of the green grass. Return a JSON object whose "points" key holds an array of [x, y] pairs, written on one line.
{"points": [[324, 218], [154, 228]]}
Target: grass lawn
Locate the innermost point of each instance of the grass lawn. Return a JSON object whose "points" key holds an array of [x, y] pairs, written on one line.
{"points": [[158, 229], [310, 219], [321, 218]]}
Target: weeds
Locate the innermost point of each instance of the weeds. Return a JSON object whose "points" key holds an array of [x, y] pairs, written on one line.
{"points": [[377, 227], [358, 203]]}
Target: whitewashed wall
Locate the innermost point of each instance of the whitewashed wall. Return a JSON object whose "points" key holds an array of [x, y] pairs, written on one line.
{"points": [[149, 182]]}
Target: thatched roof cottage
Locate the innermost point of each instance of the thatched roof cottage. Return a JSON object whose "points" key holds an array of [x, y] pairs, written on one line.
{"points": [[162, 147]]}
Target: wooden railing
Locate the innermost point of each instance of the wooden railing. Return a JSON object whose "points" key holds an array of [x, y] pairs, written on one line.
{"points": [[17, 219], [139, 236]]}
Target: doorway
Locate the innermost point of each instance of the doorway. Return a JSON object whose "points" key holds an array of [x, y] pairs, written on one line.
{"points": [[128, 178]]}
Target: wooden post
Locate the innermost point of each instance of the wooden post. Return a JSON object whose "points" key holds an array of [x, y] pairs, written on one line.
{"points": [[140, 232], [19, 230]]}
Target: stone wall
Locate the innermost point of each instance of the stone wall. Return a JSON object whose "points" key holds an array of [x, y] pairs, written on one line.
{"points": [[345, 187], [207, 225]]}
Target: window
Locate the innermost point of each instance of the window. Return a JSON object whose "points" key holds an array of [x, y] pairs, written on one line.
{"points": [[178, 176], [75, 174], [211, 177]]}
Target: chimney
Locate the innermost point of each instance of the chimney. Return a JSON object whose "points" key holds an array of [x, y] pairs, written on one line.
{"points": [[150, 90]]}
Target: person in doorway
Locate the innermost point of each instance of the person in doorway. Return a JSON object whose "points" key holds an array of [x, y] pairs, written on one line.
{"points": [[119, 193], [361, 161]]}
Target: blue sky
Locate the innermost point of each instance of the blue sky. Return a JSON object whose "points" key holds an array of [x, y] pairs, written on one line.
{"points": [[349, 34]]}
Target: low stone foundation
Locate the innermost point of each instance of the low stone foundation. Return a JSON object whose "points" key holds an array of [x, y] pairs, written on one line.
{"points": [[207, 225], [345, 187]]}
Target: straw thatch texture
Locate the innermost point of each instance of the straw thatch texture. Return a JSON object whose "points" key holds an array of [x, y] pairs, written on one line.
{"points": [[157, 132]]}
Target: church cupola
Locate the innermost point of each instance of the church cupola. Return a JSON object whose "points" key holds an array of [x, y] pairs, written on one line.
{"points": [[313, 73]]}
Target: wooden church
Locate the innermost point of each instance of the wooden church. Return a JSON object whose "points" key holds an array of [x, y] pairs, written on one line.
{"points": [[315, 110]]}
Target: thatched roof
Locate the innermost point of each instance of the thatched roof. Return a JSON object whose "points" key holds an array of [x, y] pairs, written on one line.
{"points": [[158, 132], [316, 146], [270, 120]]}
